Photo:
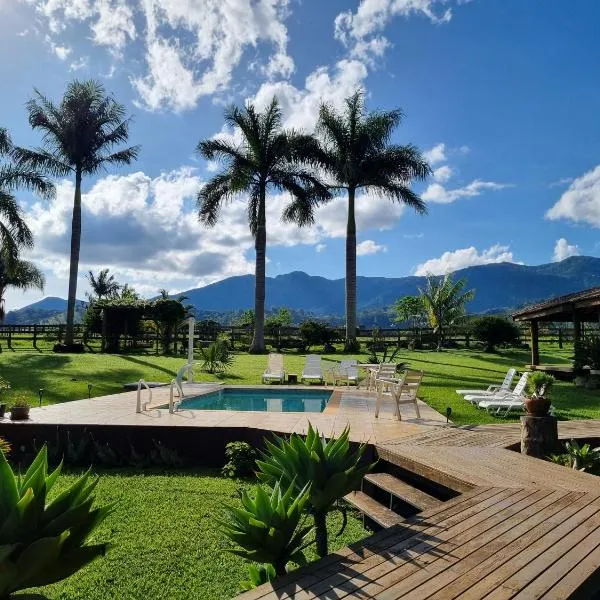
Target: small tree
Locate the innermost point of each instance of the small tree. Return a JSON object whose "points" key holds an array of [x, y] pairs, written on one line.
{"points": [[409, 309], [445, 301], [493, 331], [282, 318], [167, 314]]}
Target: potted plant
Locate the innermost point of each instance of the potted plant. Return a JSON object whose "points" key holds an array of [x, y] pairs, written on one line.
{"points": [[4, 387], [19, 410], [539, 385]]}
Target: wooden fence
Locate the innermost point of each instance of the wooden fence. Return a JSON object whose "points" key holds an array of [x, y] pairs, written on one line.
{"points": [[43, 337]]}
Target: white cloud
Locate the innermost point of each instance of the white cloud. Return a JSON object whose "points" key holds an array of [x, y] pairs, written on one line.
{"points": [[581, 201], [560, 182], [320, 247], [369, 247], [465, 257], [435, 155], [413, 236], [80, 63], [437, 193], [562, 250], [191, 47], [443, 173]]}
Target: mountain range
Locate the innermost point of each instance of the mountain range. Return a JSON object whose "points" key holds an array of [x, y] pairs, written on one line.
{"points": [[498, 288]]}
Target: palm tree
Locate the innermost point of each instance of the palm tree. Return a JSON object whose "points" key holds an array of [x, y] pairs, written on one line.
{"points": [[103, 285], [80, 137], [357, 154], [268, 157], [14, 232], [20, 274], [445, 301]]}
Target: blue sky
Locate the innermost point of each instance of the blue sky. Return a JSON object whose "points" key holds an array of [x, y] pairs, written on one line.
{"points": [[503, 95]]}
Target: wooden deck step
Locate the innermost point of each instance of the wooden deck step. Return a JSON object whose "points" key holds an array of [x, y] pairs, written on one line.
{"points": [[402, 490], [374, 510]]}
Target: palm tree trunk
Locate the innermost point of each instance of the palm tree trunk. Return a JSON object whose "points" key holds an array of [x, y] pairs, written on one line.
{"points": [[351, 273], [74, 267], [260, 245]]}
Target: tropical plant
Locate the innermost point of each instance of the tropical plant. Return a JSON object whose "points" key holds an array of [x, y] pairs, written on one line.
{"points": [[14, 232], [258, 574], [4, 446], [20, 400], [103, 285], [315, 333], [43, 541], [539, 384], [80, 137], [241, 458], [493, 331], [268, 527], [445, 301], [267, 157], [4, 386], [168, 313], [282, 318], [328, 468], [216, 356], [357, 155], [582, 458], [19, 274]]}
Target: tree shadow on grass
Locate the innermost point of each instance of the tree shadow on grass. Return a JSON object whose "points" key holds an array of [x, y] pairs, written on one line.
{"points": [[144, 363]]}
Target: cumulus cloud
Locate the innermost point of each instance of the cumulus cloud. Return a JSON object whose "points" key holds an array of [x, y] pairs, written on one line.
{"points": [[320, 247], [442, 174], [562, 250], [581, 201], [369, 247], [438, 194], [435, 155], [464, 257]]}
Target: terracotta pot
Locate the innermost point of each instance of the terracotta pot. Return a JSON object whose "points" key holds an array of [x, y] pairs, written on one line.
{"points": [[19, 413], [537, 407]]}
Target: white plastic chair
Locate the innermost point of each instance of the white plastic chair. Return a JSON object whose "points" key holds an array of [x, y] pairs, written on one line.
{"points": [[312, 369], [492, 389], [516, 395]]}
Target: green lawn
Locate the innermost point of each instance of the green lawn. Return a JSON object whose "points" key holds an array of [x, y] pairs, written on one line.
{"points": [[66, 377], [166, 544]]}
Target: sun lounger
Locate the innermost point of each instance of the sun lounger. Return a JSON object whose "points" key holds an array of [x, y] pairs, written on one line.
{"points": [[516, 395], [274, 370], [501, 407], [346, 371], [312, 369], [492, 389]]}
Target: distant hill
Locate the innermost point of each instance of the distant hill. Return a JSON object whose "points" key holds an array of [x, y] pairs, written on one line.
{"points": [[499, 287], [51, 310]]}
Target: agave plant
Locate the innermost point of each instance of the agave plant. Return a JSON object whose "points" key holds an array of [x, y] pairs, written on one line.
{"points": [[258, 574], [327, 468], [43, 542], [582, 458], [216, 356], [268, 527]]}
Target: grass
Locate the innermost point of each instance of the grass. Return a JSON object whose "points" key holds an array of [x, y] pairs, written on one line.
{"points": [[66, 377], [166, 542]]}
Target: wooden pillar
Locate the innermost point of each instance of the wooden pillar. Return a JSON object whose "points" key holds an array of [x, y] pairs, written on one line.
{"points": [[535, 346], [539, 435]]}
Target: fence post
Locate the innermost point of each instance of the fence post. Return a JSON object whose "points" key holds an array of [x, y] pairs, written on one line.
{"points": [[35, 337]]}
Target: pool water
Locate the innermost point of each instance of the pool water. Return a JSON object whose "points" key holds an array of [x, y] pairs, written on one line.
{"points": [[263, 400]]}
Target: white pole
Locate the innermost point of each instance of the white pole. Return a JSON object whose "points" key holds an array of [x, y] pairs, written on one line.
{"points": [[190, 373]]}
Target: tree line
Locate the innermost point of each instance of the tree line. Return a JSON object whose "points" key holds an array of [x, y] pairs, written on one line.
{"points": [[350, 153]]}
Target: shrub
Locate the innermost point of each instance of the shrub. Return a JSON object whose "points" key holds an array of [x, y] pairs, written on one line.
{"points": [[19, 400], [328, 469], [582, 458], [216, 356], [269, 527], [315, 333], [539, 383], [43, 542], [241, 459], [493, 331], [4, 446], [258, 574]]}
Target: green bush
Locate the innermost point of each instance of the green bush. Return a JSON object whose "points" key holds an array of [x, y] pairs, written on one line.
{"points": [[241, 459], [494, 331], [315, 333], [216, 356], [41, 541]]}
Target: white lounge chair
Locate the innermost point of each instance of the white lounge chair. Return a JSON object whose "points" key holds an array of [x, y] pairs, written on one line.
{"points": [[346, 371], [312, 369], [492, 389], [501, 407], [516, 395], [274, 370]]}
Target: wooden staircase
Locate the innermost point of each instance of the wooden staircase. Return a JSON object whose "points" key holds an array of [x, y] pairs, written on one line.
{"points": [[393, 494]]}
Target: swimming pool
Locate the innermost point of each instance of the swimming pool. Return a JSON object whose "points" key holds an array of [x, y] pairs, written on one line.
{"points": [[263, 400]]}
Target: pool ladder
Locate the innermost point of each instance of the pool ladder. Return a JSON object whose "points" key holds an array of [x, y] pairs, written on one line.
{"points": [[174, 404], [139, 407]]}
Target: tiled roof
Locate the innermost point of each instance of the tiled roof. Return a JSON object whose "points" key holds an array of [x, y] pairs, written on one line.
{"points": [[590, 294]]}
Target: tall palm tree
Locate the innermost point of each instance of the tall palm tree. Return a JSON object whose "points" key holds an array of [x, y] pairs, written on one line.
{"points": [[20, 274], [80, 137], [14, 232], [103, 285], [445, 303], [357, 155], [267, 157]]}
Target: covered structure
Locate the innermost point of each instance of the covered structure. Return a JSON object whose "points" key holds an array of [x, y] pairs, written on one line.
{"points": [[577, 308]]}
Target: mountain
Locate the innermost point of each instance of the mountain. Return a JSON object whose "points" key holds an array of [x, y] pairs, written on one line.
{"points": [[499, 287], [48, 311]]}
